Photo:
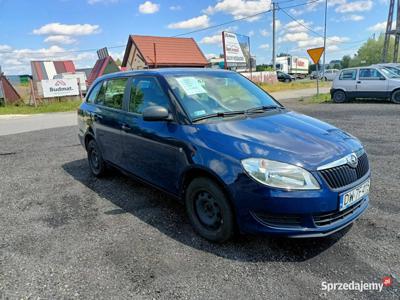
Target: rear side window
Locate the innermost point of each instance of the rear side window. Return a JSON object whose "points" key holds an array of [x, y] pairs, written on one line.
{"points": [[145, 92], [111, 93], [370, 74], [93, 93], [348, 75]]}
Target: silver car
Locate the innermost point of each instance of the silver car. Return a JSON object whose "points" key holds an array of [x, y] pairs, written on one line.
{"points": [[366, 82]]}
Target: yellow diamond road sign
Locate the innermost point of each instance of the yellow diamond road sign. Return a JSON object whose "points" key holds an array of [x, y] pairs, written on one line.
{"points": [[315, 54]]}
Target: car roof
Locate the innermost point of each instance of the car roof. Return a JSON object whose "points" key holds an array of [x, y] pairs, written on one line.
{"points": [[162, 72]]}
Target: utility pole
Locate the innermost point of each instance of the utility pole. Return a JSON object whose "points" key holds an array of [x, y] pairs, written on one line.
{"points": [[273, 36], [389, 32], [323, 59]]}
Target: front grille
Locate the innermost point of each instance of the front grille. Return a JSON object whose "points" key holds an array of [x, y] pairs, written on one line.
{"points": [[343, 175], [326, 219], [278, 220]]}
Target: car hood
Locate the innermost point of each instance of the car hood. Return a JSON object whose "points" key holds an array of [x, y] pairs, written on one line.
{"points": [[282, 136]]}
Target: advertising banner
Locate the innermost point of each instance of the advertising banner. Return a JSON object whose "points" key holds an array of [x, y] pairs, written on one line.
{"points": [[236, 50], [60, 87]]}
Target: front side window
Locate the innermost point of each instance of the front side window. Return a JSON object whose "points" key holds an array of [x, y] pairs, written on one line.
{"points": [[208, 93], [348, 75], [111, 93], [370, 74], [145, 92]]}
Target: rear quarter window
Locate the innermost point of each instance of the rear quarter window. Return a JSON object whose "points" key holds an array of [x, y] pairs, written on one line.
{"points": [[348, 75]]}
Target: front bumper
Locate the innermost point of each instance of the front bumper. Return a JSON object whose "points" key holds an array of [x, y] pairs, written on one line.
{"points": [[262, 210]]}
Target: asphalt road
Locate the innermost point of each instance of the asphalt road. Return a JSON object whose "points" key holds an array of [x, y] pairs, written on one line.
{"points": [[65, 234]]}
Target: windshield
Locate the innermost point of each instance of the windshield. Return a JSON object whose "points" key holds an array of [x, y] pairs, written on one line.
{"points": [[210, 93], [390, 72]]}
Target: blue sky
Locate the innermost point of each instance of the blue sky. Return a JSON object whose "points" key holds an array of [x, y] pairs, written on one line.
{"points": [[71, 29]]}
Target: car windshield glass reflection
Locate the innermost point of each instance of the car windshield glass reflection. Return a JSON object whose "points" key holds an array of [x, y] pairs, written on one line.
{"points": [[217, 94]]}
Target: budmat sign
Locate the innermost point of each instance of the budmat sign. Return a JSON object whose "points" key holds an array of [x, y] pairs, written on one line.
{"points": [[60, 87]]}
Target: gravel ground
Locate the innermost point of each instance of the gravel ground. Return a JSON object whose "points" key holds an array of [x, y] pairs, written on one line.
{"points": [[65, 234]]}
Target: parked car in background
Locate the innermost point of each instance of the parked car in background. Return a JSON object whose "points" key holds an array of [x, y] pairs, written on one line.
{"points": [[366, 82], [237, 159], [314, 74], [329, 74], [284, 77]]}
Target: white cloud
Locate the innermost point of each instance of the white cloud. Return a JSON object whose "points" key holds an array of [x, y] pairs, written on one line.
{"points": [[354, 18], [197, 22], [213, 39], [294, 37], [354, 6], [67, 29], [250, 33], [60, 39], [240, 8], [264, 32], [149, 7], [175, 7], [264, 46], [17, 61], [378, 27], [294, 26]]}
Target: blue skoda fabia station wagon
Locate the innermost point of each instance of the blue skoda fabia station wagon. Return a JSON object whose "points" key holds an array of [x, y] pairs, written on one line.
{"points": [[238, 159]]}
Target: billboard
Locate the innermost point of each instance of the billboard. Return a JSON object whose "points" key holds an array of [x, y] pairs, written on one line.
{"points": [[60, 87], [236, 50]]}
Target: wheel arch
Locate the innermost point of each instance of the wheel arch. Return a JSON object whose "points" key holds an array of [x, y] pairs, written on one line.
{"points": [[198, 171], [89, 136]]}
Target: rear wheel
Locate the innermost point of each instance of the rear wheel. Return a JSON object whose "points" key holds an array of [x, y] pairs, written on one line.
{"points": [[396, 97], [339, 96], [96, 163], [209, 210]]}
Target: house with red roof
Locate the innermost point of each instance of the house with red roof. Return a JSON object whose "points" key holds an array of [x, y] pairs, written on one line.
{"points": [[147, 52]]}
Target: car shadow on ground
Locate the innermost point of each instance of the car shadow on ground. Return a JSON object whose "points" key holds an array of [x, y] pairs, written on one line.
{"points": [[168, 216]]}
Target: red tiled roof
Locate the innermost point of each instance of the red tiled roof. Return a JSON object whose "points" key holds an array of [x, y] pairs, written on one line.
{"points": [[169, 51]]}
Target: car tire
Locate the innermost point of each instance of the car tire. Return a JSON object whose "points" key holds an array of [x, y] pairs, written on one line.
{"points": [[96, 162], [395, 97], [209, 210], [325, 79], [339, 96], [287, 80]]}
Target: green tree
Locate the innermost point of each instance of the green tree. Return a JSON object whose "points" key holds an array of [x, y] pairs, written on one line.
{"points": [[118, 62], [371, 52], [346, 61]]}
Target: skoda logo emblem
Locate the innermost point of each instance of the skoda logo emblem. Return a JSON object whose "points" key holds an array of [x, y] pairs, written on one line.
{"points": [[352, 160]]}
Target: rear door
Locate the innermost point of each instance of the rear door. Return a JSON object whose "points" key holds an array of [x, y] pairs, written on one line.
{"points": [[108, 118], [347, 82], [371, 83]]}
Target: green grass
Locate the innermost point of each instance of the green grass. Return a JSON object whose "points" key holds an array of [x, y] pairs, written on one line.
{"points": [[321, 98], [24, 109], [294, 85]]}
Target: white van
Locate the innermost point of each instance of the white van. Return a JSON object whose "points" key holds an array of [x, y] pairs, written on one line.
{"points": [[330, 74], [366, 82]]}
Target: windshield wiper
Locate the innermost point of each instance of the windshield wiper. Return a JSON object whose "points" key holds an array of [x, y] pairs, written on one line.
{"points": [[220, 115], [262, 108]]}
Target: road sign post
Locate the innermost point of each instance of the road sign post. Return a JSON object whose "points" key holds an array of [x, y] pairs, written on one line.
{"points": [[315, 55]]}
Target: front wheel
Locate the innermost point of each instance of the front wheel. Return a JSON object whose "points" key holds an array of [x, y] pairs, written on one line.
{"points": [[339, 96], [96, 163], [209, 210], [396, 97]]}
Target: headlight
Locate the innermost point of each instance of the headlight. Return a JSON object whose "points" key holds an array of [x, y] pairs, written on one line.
{"points": [[279, 175]]}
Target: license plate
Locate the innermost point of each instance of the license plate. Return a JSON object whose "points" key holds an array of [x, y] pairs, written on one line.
{"points": [[349, 198]]}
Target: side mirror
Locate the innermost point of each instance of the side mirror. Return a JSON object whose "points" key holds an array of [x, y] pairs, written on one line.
{"points": [[156, 113]]}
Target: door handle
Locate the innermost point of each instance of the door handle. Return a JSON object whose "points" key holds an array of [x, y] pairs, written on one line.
{"points": [[97, 117], [125, 127], [359, 81]]}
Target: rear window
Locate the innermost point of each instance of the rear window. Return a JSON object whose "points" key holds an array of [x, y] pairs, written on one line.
{"points": [[348, 75]]}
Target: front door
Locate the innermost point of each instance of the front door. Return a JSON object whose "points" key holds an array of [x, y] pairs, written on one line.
{"points": [[371, 83], [151, 148]]}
